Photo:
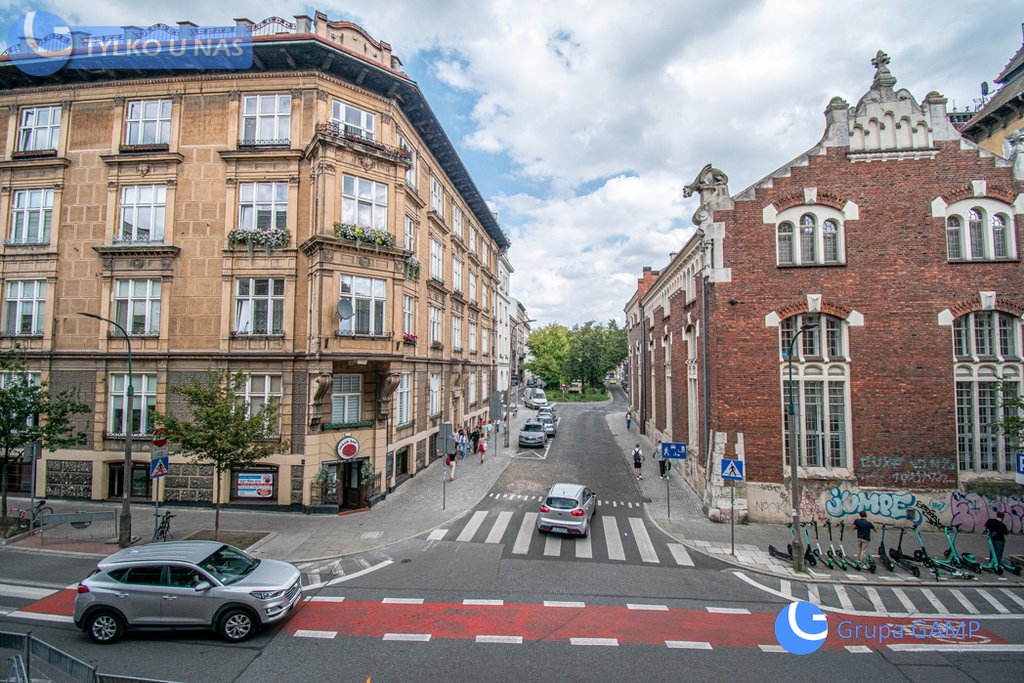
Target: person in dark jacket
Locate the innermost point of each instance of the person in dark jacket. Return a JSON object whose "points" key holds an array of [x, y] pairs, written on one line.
{"points": [[863, 527], [996, 529]]}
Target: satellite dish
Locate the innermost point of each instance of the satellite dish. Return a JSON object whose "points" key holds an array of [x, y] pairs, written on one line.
{"points": [[984, 88], [345, 309]]}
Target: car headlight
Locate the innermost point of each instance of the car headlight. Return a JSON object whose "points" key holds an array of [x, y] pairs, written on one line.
{"points": [[266, 595]]}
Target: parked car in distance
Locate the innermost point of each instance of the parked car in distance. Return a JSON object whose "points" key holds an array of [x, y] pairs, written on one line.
{"points": [[532, 382], [185, 584], [535, 398], [550, 424], [576, 387], [567, 509], [532, 434]]}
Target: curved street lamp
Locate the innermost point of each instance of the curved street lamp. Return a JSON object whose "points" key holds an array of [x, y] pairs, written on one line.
{"points": [[794, 456], [124, 527]]}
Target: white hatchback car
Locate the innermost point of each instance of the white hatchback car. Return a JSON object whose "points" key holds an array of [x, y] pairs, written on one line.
{"points": [[567, 509]]}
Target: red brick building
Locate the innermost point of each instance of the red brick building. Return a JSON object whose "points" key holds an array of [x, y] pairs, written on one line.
{"points": [[887, 257]]}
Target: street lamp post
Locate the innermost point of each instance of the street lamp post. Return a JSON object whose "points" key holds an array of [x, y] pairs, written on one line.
{"points": [[794, 456], [508, 397], [124, 527]]}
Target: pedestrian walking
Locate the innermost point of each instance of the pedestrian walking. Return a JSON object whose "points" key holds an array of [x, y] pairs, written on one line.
{"points": [[482, 449], [474, 439], [449, 460], [863, 527], [629, 419], [463, 443], [638, 462], [663, 462], [996, 529]]}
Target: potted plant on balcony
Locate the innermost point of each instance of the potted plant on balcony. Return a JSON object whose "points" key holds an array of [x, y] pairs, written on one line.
{"points": [[409, 338], [437, 345], [268, 239], [412, 267], [359, 234]]}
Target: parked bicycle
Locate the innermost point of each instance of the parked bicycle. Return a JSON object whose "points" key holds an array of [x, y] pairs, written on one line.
{"points": [[31, 518], [163, 529]]}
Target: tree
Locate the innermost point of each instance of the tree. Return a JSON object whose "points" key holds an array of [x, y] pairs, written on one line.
{"points": [[223, 431], [1013, 414], [549, 346], [30, 413]]}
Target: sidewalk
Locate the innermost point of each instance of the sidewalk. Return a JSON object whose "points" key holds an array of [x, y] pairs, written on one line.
{"points": [[689, 525]]}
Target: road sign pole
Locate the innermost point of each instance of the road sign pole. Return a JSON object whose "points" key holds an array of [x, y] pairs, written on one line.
{"points": [[732, 517]]}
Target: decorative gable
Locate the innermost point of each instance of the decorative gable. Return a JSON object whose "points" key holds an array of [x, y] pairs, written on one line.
{"points": [[888, 120]]}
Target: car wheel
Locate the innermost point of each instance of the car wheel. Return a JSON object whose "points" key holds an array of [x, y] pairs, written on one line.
{"points": [[105, 627], [236, 625]]}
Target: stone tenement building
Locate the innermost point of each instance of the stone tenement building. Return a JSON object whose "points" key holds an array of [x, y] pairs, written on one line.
{"points": [[305, 221], [887, 258]]}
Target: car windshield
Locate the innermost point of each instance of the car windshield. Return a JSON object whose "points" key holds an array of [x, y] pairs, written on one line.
{"points": [[562, 503], [228, 564], [533, 427]]}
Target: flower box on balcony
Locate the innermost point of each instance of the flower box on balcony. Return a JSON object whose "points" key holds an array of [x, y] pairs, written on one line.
{"points": [[409, 339], [268, 239], [360, 234], [437, 345]]}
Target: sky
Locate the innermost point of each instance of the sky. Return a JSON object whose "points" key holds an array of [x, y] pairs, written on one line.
{"points": [[580, 121]]}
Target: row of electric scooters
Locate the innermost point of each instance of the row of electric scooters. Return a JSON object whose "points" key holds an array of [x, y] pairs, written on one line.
{"points": [[954, 563]]}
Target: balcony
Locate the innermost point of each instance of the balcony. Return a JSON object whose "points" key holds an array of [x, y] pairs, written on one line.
{"points": [[335, 133]]}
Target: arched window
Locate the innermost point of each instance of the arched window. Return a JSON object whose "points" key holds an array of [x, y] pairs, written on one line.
{"points": [[820, 389], [999, 249], [954, 238], [976, 230], [808, 238], [830, 240], [786, 243]]}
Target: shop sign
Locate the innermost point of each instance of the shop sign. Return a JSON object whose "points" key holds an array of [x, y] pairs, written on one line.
{"points": [[255, 484]]}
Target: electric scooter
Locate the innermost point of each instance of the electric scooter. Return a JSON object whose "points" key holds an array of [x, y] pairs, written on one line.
{"points": [[829, 562], [836, 557], [934, 563], [957, 559], [905, 561], [809, 557], [867, 565], [992, 565], [882, 556], [787, 554]]}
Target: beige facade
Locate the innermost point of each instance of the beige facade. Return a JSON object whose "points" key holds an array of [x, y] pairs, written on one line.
{"points": [[129, 208]]}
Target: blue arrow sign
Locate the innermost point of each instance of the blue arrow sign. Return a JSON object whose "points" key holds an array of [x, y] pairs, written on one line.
{"points": [[673, 451], [732, 469]]}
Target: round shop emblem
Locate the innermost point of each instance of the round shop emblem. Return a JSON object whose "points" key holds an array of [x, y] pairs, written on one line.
{"points": [[348, 448], [801, 628]]}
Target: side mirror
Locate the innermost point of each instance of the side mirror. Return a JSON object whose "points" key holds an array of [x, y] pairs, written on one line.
{"points": [[203, 586]]}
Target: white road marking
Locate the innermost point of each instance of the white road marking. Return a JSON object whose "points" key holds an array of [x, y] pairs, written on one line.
{"points": [[859, 649], [611, 537], [474, 523], [771, 648], [679, 554], [812, 594], [999, 607], [408, 637], [876, 601], [498, 530], [314, 576], [643, 540], [553, 546], [558, 603], [786, 587], [904, 600], [648, 608], [934, 600], [965, 647], [962, 599], [525, 535], [437, 534], [304, 633], [495, 603], [402, 601], [41, 617], [584, 548], [727, 610], [1013, 596], [349, 577], [606, 642], [325, 598], [844, 597], [509, 640], [10, 590], [688, 644]]}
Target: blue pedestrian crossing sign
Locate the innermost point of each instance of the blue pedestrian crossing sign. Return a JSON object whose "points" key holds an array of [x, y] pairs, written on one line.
{"points": [[673, 451], [732, 469], [158, 467], [1020, 468]]}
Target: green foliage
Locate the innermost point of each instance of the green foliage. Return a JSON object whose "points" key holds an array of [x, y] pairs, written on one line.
{"points": [[589, 395], [1013, 410], [586, 352], [31, 413], [221, 430], [550, 347]]}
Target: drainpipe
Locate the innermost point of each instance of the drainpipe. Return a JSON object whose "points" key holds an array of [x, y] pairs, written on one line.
{"points": [[704, 354], [642, 408]]}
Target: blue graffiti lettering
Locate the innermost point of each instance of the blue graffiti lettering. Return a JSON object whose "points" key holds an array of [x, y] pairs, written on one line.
{"points": [[845, 502]]}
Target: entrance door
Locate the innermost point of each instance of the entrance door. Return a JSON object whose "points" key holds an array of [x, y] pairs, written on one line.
{"points": [[351, 492], [139, 481]]}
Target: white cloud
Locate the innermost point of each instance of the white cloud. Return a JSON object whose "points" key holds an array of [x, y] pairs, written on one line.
{"points": [[610, 107]]}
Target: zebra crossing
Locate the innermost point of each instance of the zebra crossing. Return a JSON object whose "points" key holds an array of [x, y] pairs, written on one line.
{"points": [[900, 601], [618, 533]]}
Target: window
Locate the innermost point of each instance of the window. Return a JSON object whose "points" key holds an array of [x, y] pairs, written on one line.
{"points": [[819, 389], [149, 122], [25, 307], [483, 251], [364, 203], [368, 299], [980, 409], [436, 197], [353, 121], [403, 394], [410, 171], [259, 306], [472, 337], [456, 333], [483, 297], [39, 128], [436, 264], [137, 306], [457, 222], [262, 206], [435, 324], [410, 234], [31, 215], [408, 314], [472, 287], [987, 334], [266, 119], [485, 346], [346, 399], [457, 275], [434, 393], [142, 213], [483, 384], [980, 229], [259, 391], [471, 391], [472, 240], [809, 238], [141, 408]]}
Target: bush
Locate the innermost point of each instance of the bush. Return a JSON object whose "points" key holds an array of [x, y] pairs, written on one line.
{"points": [[589, 395]]}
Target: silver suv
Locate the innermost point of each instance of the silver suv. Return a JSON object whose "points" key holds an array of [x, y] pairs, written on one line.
{"points": [[185, 584]]}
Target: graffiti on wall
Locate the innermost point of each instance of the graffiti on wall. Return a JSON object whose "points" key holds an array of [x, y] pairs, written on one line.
{"points": [[843, 502], [971, 510], [910, 471]]}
